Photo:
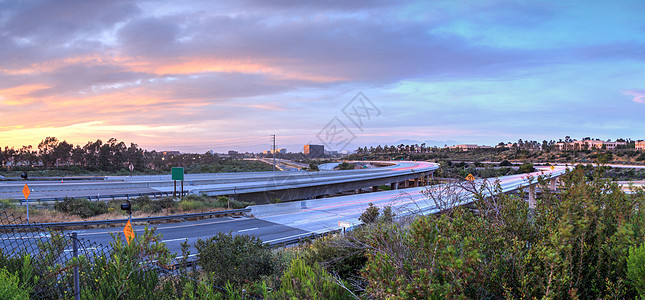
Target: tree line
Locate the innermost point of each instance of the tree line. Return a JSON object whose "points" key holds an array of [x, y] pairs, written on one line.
{"points": [[109, 156], [546, 146]]}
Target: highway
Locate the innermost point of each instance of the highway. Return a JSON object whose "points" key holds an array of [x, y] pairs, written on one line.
{"points": [[226, 184], [276, 223]]}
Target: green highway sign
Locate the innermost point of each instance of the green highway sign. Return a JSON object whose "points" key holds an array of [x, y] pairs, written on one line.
{"points": [[177, 173]]}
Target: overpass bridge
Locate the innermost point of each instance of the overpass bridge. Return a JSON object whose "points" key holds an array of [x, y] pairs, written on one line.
{"points": [[283, 223], [255, 187]]}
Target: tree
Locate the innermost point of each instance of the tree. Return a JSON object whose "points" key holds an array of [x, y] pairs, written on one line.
{"points": [[46, 151], [62, 153]]}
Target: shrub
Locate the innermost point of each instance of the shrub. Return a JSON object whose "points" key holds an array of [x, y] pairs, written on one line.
{"points": [[237, 259], [239, 204], [346, 166], [370, 215], [574, 246], [526, 168], [191, 205], [167, 202], [636, 268], [505, 163], [7, 204], [10, 287], [149, 205], [301, 281], [339, 254], [130, 271], [81, 207]]}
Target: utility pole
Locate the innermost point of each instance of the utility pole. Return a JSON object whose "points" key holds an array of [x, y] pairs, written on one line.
{"points": [[273, 153]]}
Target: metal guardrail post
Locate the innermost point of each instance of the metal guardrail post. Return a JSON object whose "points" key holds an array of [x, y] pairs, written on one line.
{"points": [[77, 284]]}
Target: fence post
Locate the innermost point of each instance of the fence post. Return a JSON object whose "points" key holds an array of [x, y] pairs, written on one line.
{"points": [[77, 285]]}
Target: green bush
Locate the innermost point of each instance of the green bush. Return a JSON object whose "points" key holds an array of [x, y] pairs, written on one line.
{"points": [[191, 205], [373, 214], [339, 254], [223, 202], [10, 287], [129, 271], [636, 268], [301, 281], [7, 204], [346, 166], [574, 246], [238, 259], [526, 168], [370, 215], [149, 205], [81, 207]]}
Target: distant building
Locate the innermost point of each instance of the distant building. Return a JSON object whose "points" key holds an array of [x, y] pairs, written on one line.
{"points": [[314, 151], [613, 145], [588, 145], [640, 145], [466, 147], [170, 152], [281, 151]]}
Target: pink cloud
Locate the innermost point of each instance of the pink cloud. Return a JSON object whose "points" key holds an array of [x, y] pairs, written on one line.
{"points": [[639, 95]]}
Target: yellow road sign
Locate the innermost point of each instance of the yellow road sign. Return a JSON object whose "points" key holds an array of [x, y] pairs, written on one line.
{"points": [[470, 177], [26, 191], [128, 232], [552, 168]]}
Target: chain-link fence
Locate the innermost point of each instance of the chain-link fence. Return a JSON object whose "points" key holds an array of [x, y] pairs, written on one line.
{"points": [[45, 259], [57, 265]]}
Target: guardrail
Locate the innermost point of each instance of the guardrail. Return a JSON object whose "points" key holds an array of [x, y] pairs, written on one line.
{"points": [[300, 238], [123, 221], [110, 196]]}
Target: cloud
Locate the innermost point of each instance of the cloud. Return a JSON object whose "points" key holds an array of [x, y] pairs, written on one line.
{"points": [[639, 95], [259, 67]]}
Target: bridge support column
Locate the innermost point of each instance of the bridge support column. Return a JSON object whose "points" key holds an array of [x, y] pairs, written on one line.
{"points": [[406, 183], [553, 184], [416, 182], [375, 188], [358, 191], [394, 185]]}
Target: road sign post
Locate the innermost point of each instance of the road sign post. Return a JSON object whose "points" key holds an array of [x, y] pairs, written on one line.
{"points": [[178, 174], [26, 192], [77, 285], [344, 225], [128, 232]]}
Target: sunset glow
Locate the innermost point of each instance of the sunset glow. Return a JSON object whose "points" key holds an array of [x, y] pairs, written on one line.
{"points": [[226, 76]]}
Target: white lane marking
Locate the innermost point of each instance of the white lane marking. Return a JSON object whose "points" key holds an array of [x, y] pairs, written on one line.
{"points": [[170, 227], [248, 229], [173, 240]]}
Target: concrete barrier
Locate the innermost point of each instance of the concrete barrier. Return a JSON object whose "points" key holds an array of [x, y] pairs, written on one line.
{"points": [[264, 210]]}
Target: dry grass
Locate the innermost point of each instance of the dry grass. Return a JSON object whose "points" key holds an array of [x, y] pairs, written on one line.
{"points": [[46, 215]]}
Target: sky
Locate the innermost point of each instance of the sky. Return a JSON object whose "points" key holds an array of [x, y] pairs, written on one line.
{"points": [[195, 76]]}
